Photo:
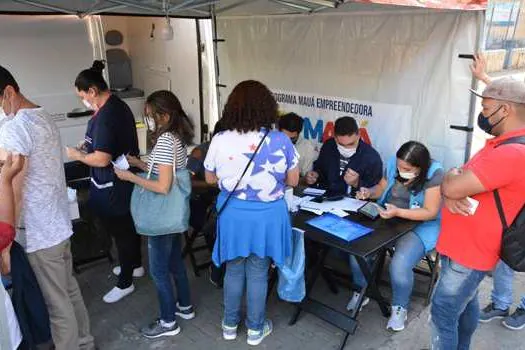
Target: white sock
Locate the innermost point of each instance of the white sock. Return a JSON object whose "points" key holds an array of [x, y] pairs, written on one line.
{"points": [[167, 324]]}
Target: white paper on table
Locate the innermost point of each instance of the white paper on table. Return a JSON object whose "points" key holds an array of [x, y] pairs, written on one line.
{"points": [[346, 204], [314, 191], [315, 211], [339, 212], [121, 163], [297, 201]]}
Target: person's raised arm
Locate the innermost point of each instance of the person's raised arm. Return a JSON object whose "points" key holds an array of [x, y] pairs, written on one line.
{"points": [[479, 69]]}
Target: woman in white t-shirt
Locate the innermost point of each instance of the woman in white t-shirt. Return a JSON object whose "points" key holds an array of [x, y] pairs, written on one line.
{"points": [[172, 131]]}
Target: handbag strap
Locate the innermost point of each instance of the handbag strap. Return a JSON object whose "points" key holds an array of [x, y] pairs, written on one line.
{"points": [[501, 213], [150, 169], [243, 173]]}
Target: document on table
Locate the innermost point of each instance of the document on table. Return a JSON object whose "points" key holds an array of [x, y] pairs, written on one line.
{"points": [[346, 204], [339, 227], [314, 191]]}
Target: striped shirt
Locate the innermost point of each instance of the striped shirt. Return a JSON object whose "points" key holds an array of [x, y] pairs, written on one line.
{"points": [[168, 148]]}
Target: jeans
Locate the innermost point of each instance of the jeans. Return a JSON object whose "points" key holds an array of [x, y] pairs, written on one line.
{"points": [[165, 257], [127, 241], [252, 271], [409, 251], [455, 306], [503, 278]]}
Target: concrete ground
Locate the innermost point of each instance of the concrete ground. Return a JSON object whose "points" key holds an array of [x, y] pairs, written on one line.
{"points": [[115, 327]]}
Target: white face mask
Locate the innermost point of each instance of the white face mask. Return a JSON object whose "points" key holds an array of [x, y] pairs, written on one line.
{"points": [[406, 175], [150, 123], [346, 152], [87, 104]]}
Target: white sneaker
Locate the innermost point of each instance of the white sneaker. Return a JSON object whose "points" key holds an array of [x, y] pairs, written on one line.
{"points": [[116, 294], [397, 319], [353, 302], [137, 273]]}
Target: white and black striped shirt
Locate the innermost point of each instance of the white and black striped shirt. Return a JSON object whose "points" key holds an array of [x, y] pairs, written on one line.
{"points": [[166, 147]]}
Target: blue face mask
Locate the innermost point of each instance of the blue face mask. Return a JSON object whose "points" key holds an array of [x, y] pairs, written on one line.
{"points": [[484, 123]]}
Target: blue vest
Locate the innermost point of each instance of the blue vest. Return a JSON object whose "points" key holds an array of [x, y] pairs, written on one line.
{"points": [[427, 231]]}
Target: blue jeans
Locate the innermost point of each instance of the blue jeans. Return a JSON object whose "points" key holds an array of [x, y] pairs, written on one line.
{"points": [[165, 257], [252, 271], [455, 306], [409, 251], [503, 278]]}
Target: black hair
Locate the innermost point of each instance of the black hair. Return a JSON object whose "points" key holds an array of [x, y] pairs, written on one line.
{"points": [[92, 78], [250, 107], [345, 126], [291, 122], [165, 102], [7, 79], [417, 155], [218, 128]]}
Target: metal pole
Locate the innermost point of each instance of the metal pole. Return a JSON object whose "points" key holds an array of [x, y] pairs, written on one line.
{"points": [[216, 58], [474, 84], [47, 7]]}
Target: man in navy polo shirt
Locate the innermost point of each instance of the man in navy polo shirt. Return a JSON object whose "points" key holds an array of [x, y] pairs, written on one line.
{"points": [[346, 163]]}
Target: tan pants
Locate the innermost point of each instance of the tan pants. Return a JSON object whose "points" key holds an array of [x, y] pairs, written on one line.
{"points": [[53, 268]]}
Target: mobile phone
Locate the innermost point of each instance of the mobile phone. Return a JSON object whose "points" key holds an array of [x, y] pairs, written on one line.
{"points": [[466, 56], [371, 210]]}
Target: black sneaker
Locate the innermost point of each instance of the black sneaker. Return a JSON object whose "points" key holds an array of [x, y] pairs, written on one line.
{"points": [[516, 321], [185, 312], [490, 313], [159, 329]]}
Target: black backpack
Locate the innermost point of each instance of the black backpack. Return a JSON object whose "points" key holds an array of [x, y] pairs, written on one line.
{"points": [[513, 240]]}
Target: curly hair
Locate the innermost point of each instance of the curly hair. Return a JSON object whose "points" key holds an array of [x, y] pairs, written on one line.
{"points": [[250, 107], [165, 102]]}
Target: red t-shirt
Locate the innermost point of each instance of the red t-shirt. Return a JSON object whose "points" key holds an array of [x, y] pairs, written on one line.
{"points": [[474, 241], [7, 235]]}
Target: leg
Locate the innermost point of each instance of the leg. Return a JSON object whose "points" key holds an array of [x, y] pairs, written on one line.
{"points": [[359, 279], [503, 279], [256, 290], [178, 269], [86, 340], [455, 289], [409, 251], [468, 322], [128, 246], [233, 290], [52, 275], [159, 249]]}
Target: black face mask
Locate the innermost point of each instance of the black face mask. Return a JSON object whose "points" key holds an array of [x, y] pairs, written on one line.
{"points": [[484, 123], [294, 140]]}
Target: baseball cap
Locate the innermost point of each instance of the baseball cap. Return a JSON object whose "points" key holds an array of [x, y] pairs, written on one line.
{"points": [[504, 89]]}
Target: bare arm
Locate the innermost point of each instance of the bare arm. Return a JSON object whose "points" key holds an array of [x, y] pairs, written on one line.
{"points": [[211, 178], [96, 159], [162, 185], [430, 208], [459, 184], [292, 177]]}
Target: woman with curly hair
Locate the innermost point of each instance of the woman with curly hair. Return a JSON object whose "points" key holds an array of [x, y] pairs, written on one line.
{"points": [[254, 227]]}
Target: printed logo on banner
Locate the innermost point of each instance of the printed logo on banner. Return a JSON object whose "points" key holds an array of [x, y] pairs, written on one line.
{"points": [[385, 126]]}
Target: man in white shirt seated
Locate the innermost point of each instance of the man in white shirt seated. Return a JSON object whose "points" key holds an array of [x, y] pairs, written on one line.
{"points": [[292, 125]]}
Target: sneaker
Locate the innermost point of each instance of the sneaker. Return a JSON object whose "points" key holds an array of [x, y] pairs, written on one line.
{"points": [[353, 302], [160, 328], [397, 319], [137, 272], [256, 337], [516, 321], [490, 313], [185, 312], [116, 294], [229, 333]]}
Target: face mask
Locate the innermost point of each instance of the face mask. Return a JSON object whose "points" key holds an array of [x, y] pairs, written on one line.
{"points": [[294, 140], [346, 152], [484, 123], [150, 123], [87, 104], [406, 175]]}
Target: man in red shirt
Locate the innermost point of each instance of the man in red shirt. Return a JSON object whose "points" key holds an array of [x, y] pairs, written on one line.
{"points": [[470, 238]]}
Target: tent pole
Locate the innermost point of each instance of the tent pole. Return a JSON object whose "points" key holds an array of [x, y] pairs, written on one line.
{"points": [[47, 7], [474, 85], [216, 40]]}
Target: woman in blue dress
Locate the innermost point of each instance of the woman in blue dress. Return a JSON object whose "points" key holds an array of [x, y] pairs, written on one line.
{"points": [[254, 228]]}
